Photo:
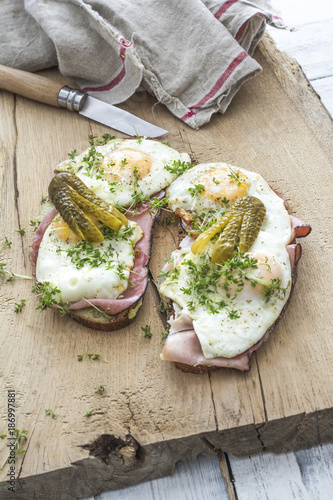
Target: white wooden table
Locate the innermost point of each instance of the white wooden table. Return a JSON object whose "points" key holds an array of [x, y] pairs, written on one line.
{"points": [[305, 474]]}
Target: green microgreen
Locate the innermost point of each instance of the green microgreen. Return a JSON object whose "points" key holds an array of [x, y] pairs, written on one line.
{"points": [[178, 167], [157, 204], [72, 154], [6, 244], [50, 412], [19, 305], [234, 176], [48, 297], [146, 329], [89, 412], [34, 223], [94, 357], [100, 389], [164, 335]]}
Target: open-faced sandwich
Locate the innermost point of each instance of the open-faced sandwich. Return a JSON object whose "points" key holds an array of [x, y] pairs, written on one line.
{"points": [[230, 280], [92, 247]]}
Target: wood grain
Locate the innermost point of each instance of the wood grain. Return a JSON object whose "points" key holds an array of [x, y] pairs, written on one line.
{"points": [[275, 126]]}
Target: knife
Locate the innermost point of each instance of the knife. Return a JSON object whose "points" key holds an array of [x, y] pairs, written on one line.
{"points": [[47, 91]]}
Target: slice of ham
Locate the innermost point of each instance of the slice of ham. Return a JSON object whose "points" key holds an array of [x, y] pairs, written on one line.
{"points": [[182, 346], [299, 229], [139, 272], [38, 235]]}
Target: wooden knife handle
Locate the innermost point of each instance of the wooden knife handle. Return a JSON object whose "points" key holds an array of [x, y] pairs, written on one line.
{"points": [[30, 85]]}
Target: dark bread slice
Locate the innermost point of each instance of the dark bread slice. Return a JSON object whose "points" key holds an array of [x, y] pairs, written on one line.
{"points": [[98, 319]]}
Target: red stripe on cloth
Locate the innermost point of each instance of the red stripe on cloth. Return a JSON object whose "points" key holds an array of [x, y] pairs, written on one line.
{"points": [[223, 8], [120, 75], [223, 78], [241, 30], [187, 116]]}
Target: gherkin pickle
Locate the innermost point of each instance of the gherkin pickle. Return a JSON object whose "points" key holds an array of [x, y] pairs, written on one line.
{"points": [[243, 220], [75, 202], [251, 224], [225, 245]]}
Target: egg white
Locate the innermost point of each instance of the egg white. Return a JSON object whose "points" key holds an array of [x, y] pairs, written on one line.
{"points": [[121, 193], [55, 266], [219, 334]]}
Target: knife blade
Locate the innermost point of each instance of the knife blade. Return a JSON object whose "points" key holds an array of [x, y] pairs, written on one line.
{"points": [[41, 89]]}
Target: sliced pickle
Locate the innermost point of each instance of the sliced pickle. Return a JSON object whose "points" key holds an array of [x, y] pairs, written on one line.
{"points": [[83, 190], [251, 224], [100, 214], [75, 202], [206, 236], [75, 217], [225, 245], [243, 219]]}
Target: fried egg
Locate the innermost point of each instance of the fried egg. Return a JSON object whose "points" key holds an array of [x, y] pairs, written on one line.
{"points": [[207, 190], [234, 303], [123, 171], [83, 270]]}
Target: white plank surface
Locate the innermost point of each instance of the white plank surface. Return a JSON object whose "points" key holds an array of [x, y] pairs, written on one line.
{"points": [[302, 475], [185, 484]]}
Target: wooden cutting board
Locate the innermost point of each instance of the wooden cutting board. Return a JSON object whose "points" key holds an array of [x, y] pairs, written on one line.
{"points": [[151, 415]]}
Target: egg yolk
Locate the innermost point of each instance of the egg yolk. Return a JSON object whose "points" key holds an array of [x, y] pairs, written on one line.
{"points": [[268, 269], [63, 232], [224, 183], [122, 163]]}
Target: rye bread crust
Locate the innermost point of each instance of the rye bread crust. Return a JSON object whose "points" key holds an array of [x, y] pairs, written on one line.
{"points": [[97, 319]]}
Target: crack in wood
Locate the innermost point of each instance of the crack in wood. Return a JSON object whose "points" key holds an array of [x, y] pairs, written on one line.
{"points": [[261, 388], [213, 402], [25, 454], [16, 190], [230, 478]]}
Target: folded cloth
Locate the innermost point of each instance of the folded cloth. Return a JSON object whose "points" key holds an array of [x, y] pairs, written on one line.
{"points": [[192, 55]]}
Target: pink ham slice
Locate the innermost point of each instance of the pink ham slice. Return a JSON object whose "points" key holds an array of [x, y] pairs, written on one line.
{"points": [[184, 347], [139, 272], [299, 228], [38, 235]]}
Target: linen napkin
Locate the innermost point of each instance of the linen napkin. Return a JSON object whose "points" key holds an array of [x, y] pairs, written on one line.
{"points": [[192, 55]]}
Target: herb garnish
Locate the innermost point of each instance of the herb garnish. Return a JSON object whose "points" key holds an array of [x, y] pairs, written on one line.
{"points": [[204, 280], [50, 412], [100, 389], [94, 357], [6, 244], [178, 167], [196, 190], [147, 331], [19, 305], [234, 176], [164, 336], [48, 297]]}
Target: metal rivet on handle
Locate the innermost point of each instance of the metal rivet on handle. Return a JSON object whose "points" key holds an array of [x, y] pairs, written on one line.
{"points": [[71, 99]]}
